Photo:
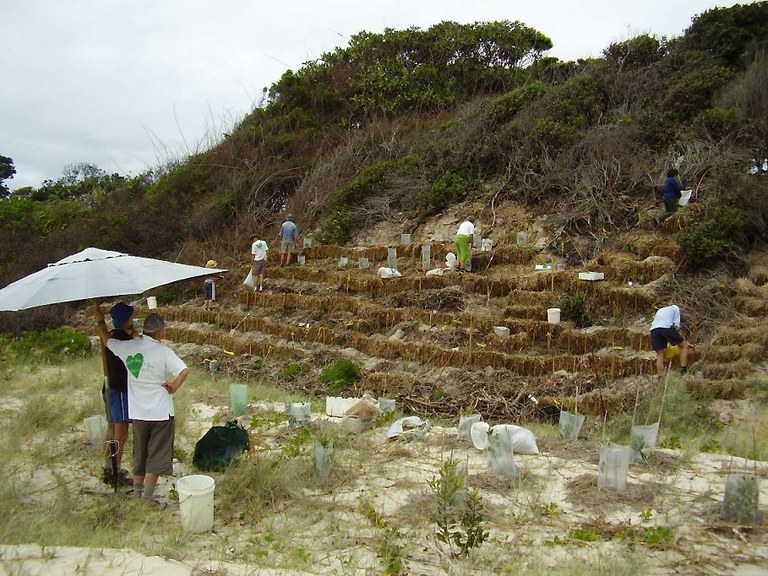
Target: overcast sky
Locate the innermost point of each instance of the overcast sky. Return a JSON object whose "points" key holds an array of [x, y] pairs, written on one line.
{"points": [[129, 84]]}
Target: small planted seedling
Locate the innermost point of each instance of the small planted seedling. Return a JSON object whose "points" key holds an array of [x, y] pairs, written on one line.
{"points": [[613, 467], [642, 441], [458, 513], [324, 450], [741, 499], [570, 425], [501, 460]]}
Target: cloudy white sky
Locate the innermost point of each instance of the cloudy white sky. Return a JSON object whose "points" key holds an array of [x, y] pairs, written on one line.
{"points": [[127, 85]]}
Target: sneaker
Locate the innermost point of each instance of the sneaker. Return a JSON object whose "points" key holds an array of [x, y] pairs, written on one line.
{"points": [[123, 478]]}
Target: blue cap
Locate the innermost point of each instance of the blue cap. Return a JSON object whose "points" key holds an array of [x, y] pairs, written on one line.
{"points": [[121, 313]]}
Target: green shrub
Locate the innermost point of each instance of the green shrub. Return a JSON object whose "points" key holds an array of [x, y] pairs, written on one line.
{"points": [[713, 238], [574, 309], [339, 376], [371, 180], [717, 123], [337, 228], [291, 371], [504, 108], [50, 345], [448, 189], [636, 52]]}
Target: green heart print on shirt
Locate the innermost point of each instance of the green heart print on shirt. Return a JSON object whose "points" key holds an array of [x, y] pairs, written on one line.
{"points": [[134, 364]]}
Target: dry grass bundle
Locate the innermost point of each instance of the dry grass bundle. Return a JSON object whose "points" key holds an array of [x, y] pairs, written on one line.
{"points": [[645, 244], [582, 490], [508, 344], [592, 339], [745, 287], [752, 352], [390, 384], [501, 401], [622, 267], [230, 321], [542, 300], [303, 273], [445, 299], [750, 306], [745, 332], [525, 312], [728, 370], [218, 339], [592, 403], [758, 274], [731, 389]]}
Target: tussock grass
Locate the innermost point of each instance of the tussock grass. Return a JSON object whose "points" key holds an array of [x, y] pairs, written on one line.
{"points": [[687, 420]]}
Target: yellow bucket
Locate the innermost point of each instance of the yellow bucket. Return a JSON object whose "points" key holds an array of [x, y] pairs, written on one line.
{"points": [[671, 352]]}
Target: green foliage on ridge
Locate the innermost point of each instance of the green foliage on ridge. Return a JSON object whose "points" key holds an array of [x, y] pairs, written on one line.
{"points": [[407, 122]]}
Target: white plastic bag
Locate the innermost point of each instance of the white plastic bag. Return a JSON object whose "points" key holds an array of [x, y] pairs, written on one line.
{"points": [[523, 440], [248, 282], [685, 197], [385, 273], [450, 260]]}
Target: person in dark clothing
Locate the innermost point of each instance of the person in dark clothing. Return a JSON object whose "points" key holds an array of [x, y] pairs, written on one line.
{"points": [[673, 190], [115, 394]]}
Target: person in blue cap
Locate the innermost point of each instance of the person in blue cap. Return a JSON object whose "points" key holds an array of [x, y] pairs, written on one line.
{"points": [[115, 394]]}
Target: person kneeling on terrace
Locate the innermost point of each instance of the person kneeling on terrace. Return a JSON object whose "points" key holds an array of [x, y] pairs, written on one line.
{"points": [[463, 243], [665, 331]]}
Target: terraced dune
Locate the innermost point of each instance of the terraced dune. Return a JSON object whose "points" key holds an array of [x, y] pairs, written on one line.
{"points": [[429, 340]]}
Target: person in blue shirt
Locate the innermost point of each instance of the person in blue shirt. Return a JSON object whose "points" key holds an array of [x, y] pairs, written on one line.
{"points": [[673, 190], [289, 236]]}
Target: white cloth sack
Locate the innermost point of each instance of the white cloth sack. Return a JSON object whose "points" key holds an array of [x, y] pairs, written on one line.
{"points": [[385, 273], [523, 440], [248, 282], [417, 427]]}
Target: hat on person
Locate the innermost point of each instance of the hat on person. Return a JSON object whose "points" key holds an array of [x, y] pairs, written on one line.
{"points": [[289, 217], [121, 313], [211, 264], [153, 324]]}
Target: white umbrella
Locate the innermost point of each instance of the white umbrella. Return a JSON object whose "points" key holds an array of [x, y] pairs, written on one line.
{"points": [[95, 273]]}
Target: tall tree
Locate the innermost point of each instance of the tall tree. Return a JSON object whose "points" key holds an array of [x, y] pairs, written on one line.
{"points": [[7, 170]]}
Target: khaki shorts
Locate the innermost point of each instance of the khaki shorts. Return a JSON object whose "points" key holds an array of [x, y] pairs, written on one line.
{"points": [[153, 446], [259, 267], [287, 247]]}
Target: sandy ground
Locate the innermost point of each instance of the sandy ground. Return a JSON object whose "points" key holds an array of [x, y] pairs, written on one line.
{"points": [[552, 494]]}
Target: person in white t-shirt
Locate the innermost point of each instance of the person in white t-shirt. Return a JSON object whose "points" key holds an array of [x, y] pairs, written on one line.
{"points": [[665, 332], [463, 241], [155, 373], [259, 250]]}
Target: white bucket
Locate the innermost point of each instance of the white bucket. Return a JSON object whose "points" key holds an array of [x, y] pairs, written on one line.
{"points": [[96, 427], [553, 315], [502, 331], [196, 502], [151, 302]]}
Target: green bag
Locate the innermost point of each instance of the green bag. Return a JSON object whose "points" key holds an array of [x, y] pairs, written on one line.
{"points": [[219, 446]]}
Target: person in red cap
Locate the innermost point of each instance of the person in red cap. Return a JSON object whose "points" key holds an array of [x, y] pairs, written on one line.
{"points": [[115, 394]]}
